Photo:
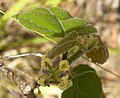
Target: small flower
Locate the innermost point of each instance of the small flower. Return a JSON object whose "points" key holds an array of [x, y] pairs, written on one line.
{"points": [[64, 65], [65, 83], [41, 81], [45, 60], [62, 86], [49, 61]]}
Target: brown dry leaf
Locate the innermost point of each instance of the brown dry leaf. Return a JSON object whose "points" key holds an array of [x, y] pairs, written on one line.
{"points": [[98, 55]]}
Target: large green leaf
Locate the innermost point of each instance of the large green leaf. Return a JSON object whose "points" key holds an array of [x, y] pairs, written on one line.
{"points": [[89, 28], [42, 21], [78, 24], [86, 85], [60, 13], [53, 22]]}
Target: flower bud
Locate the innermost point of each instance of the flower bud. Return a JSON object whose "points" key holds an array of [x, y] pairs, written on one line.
{"points": [[65, 83], [64, 65], [41, 81], [45, 60]]}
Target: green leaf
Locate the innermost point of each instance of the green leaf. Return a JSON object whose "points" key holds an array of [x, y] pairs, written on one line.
{"points": [[53, 22], [37, 10], [60, 13], [64, 45], [88, 29], [79, 25], [86, 85], [42, 21], [83, 68]]}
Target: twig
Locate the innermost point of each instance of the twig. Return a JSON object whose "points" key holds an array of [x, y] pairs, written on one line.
{"points": [[102, 67], [21, 55]]}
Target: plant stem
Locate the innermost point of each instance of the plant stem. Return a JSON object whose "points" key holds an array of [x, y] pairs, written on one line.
{"points": [[21, 55], [53, 73], [103, 68]]}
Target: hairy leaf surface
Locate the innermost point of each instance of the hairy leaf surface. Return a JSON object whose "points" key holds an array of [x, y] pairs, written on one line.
{"points": [[42, 21], [79, 25], [60, 13], [53, 22]]}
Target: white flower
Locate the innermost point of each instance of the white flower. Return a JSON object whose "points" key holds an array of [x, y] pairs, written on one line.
{"points": [[65, 83], [45, 60], [64, 65]]}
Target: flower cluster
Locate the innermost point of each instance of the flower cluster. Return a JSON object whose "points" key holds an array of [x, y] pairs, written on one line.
{"points": [[89, 41], [64, 66], [65, 83]]}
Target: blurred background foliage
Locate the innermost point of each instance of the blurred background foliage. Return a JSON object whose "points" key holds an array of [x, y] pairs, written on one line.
{"points": [[14, 39]]}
